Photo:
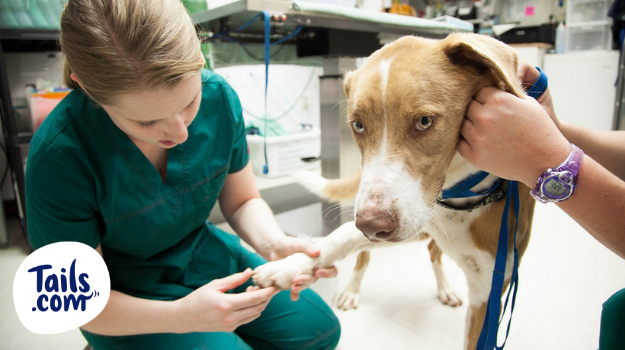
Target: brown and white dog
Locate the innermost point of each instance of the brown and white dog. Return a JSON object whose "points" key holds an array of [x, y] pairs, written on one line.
{"points": [[345, 189], [406, 105]]}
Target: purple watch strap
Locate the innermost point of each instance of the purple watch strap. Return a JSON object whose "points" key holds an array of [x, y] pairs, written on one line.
{"points": [[573, 162], [567, 173]]}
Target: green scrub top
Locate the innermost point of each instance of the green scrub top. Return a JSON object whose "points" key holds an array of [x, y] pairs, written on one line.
{"points": [[86, 181]]}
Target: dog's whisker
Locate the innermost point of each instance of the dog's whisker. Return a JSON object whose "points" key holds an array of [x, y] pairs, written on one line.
{"points": [[338, 103], [335, 207], [342, 213], [328, 213], [439, 223], [339, 206], [437, 220], [331, 208]]}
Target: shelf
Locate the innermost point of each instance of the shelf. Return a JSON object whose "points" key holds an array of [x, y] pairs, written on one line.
{"points": [[264, 182], [29, 34], [29, 40], [589, 24], [238, 12]]}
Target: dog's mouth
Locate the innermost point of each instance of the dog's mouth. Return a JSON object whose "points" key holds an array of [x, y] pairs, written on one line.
{"points": [[383, 236]]}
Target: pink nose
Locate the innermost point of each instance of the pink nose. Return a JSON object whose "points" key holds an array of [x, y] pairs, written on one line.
{"points": [[376, 224]]}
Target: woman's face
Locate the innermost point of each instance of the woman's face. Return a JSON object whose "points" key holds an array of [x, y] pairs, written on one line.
{"points": [[158, 117]]}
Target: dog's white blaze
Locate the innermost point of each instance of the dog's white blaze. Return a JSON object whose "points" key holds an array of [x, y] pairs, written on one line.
{"points": [[385, 67], [378, 188]]}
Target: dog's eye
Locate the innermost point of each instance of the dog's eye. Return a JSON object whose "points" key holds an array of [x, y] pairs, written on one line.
{"points": [[358, 127], [424, 123]]}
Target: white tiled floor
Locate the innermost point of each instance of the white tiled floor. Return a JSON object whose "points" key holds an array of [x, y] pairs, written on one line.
{"points": [[565, 276]]}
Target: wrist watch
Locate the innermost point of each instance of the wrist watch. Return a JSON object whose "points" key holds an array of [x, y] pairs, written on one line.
{"points": [[558, 184]]}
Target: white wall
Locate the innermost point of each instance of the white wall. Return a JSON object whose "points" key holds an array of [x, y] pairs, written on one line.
{"points": [[583, 87]]}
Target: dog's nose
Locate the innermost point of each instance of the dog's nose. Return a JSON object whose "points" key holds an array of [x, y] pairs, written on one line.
{"points": [[376, 224]]}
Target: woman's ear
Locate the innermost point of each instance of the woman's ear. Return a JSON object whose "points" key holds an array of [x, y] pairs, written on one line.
{"points": [[78, 82], [75, 78]]}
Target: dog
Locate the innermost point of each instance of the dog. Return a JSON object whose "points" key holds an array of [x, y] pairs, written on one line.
{"points": [[345, 189], [339, 190], [406, 105]]}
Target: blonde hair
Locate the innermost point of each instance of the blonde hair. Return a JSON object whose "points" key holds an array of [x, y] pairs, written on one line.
{"points": [[125, 46]]}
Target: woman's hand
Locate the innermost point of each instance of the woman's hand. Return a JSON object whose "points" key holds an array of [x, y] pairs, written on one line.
{"points": [[511, 137], [290, 245], [210, 309], [528, 75]]}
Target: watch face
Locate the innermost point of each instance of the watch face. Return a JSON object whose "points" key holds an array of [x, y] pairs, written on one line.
{"points": [[555, 189]]}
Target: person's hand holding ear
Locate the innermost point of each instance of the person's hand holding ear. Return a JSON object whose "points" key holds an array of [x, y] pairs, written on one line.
{"points": [[512, 137]]}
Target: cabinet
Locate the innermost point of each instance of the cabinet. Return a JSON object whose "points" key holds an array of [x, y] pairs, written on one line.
{"points": [[588, 25], [19, 40]]}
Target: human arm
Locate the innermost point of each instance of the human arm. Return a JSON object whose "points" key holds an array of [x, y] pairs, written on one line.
{"points": [[605, 147], [252, 219], [207, 309], [515, 138]]}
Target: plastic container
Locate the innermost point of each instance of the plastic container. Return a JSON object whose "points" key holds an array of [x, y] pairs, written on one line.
{"points": [[579, 11], [588, 37], [560, 43], [285, 154], [42, 103]]}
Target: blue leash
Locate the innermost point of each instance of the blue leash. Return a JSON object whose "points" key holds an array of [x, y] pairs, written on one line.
{"points": [[494, 312], [462, 189], [492, 321], [539, 86], [267, 54]]}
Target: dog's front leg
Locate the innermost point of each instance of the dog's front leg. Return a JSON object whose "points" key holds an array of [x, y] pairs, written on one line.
{"points": [[336, 246]]}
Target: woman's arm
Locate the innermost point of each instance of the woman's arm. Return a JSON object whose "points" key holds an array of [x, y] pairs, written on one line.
{"points": [[516, 139], [252, 219], [598, 205], [207, 309], [606, 147]]}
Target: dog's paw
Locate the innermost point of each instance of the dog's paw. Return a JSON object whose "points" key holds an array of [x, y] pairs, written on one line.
{"points": [[348, 300], [280, 273], [449, 297]]}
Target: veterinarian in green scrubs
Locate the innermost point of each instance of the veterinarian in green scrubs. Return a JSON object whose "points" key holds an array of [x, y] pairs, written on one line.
{"points": [[132, 161]]}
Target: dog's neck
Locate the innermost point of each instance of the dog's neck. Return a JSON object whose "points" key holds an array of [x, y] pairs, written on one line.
{"points": [[459, 169]]}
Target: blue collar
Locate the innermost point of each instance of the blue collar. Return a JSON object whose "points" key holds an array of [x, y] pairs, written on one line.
{"points": [[462, 189]]}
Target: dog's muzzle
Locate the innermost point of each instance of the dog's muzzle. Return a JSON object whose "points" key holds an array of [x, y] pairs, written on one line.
{"points": [[377, 225]]}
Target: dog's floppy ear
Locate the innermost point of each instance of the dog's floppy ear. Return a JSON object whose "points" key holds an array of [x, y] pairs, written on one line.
{"points": [[347, 81], [487, 56]]}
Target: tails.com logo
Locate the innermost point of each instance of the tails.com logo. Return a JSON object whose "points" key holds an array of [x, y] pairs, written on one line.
{"points": [[60, 287]]}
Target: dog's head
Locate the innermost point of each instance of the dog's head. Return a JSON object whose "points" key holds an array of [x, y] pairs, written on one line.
{"points": [[405, 107]]}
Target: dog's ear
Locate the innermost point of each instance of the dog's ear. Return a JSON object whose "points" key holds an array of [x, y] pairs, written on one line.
{"points": [[347, 81], [487, 56]]}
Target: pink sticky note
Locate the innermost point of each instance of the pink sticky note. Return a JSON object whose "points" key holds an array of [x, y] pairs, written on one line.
{"points": [[529, 11]]}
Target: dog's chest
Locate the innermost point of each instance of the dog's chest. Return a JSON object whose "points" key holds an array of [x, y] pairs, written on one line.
{"points": [[452, 230]]}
